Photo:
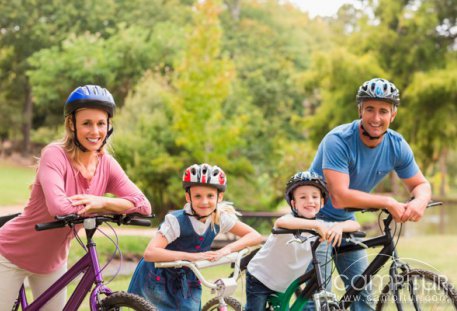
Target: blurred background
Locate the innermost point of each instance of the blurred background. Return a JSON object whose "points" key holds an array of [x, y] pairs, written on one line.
{"points": [[252, 86]]}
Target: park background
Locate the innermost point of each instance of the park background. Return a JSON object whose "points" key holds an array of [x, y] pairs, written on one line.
{"points": [[251, 86]]}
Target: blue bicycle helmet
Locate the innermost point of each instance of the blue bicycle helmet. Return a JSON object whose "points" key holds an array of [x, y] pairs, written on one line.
{"points": [[90, 96], [305, 178], [379, 89]]}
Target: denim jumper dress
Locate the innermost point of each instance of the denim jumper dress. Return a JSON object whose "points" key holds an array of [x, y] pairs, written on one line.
{"points": [[169, 288]]}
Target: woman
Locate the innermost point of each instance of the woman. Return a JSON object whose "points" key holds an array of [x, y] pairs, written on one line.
{"points": [[73, 176]]}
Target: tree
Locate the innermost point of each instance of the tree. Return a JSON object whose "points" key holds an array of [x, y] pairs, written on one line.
{"points": [[181, 119], [43, 24], [332, 83], [429, 117]]}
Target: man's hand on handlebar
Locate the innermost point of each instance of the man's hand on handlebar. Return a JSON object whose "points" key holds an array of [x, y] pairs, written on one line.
{"points": [[414, 210], [396, 209]]}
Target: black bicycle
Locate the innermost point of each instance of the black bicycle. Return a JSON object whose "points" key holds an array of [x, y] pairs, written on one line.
{"points": [[407, 289]]}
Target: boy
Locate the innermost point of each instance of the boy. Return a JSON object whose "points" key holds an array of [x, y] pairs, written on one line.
{"points": [[277, 263]]}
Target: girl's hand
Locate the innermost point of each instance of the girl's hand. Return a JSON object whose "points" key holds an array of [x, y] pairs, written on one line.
{"points": [[335, 235], [201, 256], [219, 254], [92, 203]]}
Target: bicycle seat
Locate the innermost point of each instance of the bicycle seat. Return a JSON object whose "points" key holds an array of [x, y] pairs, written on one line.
{"points": [[6, 218]]}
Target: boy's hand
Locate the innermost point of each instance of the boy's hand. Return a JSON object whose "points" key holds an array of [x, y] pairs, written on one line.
{"points": [[322, 230], [335, 234]]}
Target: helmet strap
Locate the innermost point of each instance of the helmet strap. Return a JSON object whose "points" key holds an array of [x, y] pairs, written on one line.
{"points": [[108, 134], [365, 133], [75, 134], [194, 213], [295, 213]]}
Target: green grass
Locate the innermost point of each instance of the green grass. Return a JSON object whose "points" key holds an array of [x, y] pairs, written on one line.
{"points": [[14, 184]]}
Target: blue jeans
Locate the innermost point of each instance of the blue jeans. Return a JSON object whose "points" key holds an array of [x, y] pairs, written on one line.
{"points": [[256, 294], [349, 266]]}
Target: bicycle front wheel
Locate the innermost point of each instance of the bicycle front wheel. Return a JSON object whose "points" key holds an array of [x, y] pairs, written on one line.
{"points": [[125, 301], [419, 290], [213, 304]]}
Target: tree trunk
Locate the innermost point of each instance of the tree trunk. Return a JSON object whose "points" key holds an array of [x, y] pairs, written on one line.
{"points": [[27, 119], [234, 7], [443, 172], [395, 187]]}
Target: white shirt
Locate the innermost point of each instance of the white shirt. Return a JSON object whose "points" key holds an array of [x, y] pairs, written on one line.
{"points": [[277, 263], [171, 230]]}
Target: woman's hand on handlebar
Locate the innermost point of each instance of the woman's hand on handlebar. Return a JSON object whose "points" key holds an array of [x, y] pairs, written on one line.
{"points": [[91, 203]]}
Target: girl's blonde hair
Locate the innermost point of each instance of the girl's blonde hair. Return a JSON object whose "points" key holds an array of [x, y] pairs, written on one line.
{"points": [[224, 207]]}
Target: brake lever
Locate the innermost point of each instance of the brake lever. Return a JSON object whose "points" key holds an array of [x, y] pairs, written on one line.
{"points": [[356, 242], [297, 239]]}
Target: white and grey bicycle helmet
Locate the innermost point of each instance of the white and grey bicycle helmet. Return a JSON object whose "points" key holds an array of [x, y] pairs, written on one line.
{"points": [[379, 89]]}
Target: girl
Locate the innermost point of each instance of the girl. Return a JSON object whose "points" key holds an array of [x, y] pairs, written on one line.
{"points": [[73, 176], [269, 273], [187, 234]]}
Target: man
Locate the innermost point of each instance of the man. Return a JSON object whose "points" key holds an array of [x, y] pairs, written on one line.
{"points": [[354, 158]]}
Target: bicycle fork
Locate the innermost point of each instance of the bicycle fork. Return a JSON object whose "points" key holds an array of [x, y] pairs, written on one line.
{"points": [[397, 282]]}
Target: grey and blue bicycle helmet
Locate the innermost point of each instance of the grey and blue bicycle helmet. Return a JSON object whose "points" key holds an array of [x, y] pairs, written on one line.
{"points": [[305, 178], [90, 96], [379, 89]]}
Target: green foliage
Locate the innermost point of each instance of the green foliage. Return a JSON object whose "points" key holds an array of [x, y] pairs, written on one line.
{"points": [[117, 63], [252, 86], [332, 84], [430, 113], [145, 146], [203, 81]]}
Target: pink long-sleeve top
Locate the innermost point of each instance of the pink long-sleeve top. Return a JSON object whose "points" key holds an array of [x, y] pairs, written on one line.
{"points": [[56, 180]]}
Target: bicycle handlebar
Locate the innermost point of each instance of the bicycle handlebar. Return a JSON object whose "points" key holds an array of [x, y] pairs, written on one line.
{"points": [[195, 266], [73, 219], [355, 234], [366, 210]]}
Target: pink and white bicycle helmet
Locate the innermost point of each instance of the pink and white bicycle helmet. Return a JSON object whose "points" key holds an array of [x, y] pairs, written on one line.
{"points": [[204, 175]]}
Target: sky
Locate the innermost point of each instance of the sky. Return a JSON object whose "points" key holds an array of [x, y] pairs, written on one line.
{"points": [[322, 7]]}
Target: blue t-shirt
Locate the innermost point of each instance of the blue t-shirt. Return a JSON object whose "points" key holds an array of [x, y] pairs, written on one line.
{"points": [[342, 150]]}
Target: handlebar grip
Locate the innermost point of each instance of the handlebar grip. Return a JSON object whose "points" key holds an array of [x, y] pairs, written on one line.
{"points": [[139, 222], [292, 231], [363, 210], [50, 225]]}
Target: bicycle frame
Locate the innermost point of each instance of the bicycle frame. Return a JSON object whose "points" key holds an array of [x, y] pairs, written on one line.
{"points": [[89, 266], [223, 287], [314, 281]]}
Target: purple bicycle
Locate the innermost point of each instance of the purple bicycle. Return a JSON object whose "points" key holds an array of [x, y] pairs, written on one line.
{"points": [[101, 297]]}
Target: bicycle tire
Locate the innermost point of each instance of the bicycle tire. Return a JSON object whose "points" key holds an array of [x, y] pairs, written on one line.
{"points": [[213, 304], [430, 292], [126, 301]]}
